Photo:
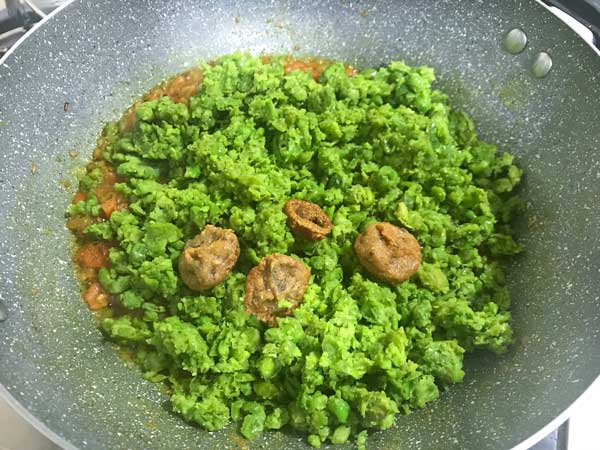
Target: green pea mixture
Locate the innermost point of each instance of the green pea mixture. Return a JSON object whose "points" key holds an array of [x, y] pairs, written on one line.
{"points": [[376, 145]]}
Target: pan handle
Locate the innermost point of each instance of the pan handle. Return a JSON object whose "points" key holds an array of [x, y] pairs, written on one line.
{"points": [[584, 12]]}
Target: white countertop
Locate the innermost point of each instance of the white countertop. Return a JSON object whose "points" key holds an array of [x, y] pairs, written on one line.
{"points": [[17, 434], [584, 422]]}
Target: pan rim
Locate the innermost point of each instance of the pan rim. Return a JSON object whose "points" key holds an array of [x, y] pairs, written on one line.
{"points": [[66, 445], [556, 422], [557, 13], [34, 421], [33, 29]]}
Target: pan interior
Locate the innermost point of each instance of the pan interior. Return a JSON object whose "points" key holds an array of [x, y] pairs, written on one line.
{"points": [[98, 56]]}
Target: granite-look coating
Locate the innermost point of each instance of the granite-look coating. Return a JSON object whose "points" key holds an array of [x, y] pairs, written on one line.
{"points": [[99, 55]]}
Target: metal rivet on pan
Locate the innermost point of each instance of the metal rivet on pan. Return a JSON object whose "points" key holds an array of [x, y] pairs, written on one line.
{"points": [[3, 312], [515, 41], [542, 64]]}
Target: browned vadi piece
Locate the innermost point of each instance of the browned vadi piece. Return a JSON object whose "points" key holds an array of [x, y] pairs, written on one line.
{"points": [[275, 280], [307, 220], [388, 252], [208, 258]]}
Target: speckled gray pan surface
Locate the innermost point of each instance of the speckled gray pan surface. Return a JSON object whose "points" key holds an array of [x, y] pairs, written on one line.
{"points": [[99, 55]]}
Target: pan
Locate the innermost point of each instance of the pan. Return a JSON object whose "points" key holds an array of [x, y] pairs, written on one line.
{"points": [[83, 66]]}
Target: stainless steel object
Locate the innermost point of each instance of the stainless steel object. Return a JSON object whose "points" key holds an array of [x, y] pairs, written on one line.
{"points": [[97, 55]]}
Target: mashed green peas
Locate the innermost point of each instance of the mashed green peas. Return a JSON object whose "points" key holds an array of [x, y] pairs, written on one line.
{"points": [[377, 146]]}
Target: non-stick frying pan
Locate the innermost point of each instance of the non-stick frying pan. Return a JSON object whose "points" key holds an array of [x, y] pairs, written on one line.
{"points": [[99, 55]]}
